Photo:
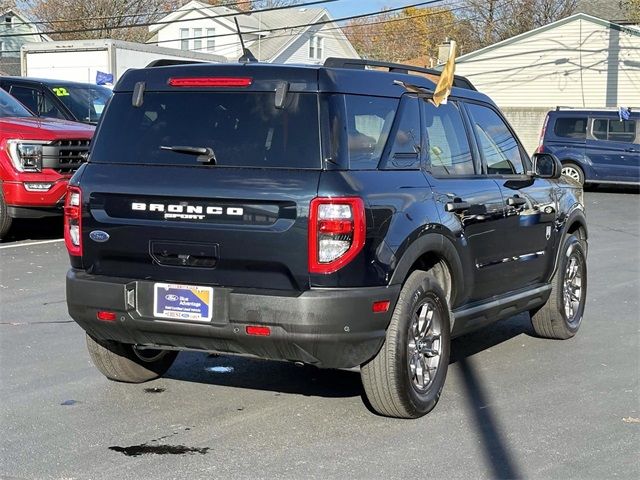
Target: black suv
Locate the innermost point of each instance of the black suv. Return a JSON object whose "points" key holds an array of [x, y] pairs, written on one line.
{"points": [[329, 215]]}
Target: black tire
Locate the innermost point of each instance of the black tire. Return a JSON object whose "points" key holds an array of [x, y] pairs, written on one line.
{"points": [[560, 317], [389, 379], [573, 171], [5, 219], [123, 363]]}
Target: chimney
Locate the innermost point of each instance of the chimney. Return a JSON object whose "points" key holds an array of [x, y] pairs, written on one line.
{"points": [[443, 51], [245, 6]]}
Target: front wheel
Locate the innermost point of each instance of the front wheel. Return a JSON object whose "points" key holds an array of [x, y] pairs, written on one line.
{"points": [[560, 317], [126, 363], [406, 377]]}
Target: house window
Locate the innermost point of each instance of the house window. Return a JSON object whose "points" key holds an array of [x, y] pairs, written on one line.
{"points": [[8, 22], [316, 47], [211, 42], [197, 40], [184, 39]]}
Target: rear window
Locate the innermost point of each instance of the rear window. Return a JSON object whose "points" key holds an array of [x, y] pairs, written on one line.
{"points": [[243, 129], [571, 127]]}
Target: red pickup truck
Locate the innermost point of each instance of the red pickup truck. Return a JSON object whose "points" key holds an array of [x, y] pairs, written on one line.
{"points": [[37, 158]]}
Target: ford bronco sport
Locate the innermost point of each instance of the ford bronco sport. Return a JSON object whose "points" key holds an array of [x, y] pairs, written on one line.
{"points": [[329, 215]]}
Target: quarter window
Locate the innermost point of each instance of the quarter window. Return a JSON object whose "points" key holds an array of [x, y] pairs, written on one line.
{"points": [[404, 153], [369, 121], [497, 144], [614, 130], [571, 127], [446, 142]]}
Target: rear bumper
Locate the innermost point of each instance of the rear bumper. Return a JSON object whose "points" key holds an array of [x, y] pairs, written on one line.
{"points": [[333, 328]]}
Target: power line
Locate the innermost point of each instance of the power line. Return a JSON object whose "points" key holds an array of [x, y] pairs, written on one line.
{"points": [[304, 25], [167, 22], [131, 15]]}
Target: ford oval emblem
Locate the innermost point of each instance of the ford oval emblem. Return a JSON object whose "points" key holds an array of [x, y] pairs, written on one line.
{"points": [[99, 236]]}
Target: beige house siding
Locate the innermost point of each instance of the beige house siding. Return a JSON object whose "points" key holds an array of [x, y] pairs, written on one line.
{"points": [[580, 63]]}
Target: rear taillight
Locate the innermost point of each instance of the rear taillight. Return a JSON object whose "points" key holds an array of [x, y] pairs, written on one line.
{"points": [[73, 221], [540, 148], [336, 232]]}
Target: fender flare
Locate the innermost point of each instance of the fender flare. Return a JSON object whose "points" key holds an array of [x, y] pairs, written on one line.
{"points": [[576, 216], [441, 246]]}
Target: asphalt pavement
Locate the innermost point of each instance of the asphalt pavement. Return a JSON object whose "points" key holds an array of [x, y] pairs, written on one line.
{"points": [[514, 405]]}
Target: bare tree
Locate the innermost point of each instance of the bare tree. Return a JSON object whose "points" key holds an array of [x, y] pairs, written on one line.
{"points": [[493, 20], [119, 19]]}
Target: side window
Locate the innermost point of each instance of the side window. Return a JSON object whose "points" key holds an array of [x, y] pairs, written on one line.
{"points": [[29, 97], [614, 130], [49, 109], [369, 121], [404, 149], [446, 142], [498, 146], [571, 127]]}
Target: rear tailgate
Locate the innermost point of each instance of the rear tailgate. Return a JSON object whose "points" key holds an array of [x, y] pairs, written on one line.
{"points": [[235, 215], [235, 227]]}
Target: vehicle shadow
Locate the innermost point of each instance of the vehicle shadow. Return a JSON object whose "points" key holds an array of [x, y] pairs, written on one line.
{"points": [[613, 188], [34, 229], [283, 377]]}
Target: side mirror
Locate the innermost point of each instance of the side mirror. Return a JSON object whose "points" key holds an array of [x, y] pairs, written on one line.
{"points": [[546, 165]]}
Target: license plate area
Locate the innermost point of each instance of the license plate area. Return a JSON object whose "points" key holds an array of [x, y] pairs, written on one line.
{"points": [[188, 303]]}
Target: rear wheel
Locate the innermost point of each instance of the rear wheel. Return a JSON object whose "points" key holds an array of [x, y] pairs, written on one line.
{"points": [[406, 377], [560, 317], [573, 171], [5, 219], [126, 363]]}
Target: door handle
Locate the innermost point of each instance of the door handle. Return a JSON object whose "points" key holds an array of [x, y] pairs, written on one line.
{"points": [[631, 150], [457, 206], [516, 201]]}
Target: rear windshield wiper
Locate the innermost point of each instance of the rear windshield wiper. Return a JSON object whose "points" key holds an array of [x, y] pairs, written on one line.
{"points": [[205, 154]]}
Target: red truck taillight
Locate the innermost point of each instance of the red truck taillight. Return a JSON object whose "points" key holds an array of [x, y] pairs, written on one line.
{"points": [[73, 221], [336, 232]]}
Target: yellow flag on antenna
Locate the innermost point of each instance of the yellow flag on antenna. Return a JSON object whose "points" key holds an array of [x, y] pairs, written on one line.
{"points": [[443, 88]]}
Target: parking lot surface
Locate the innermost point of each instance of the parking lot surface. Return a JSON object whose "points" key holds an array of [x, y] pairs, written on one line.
{"points": [[514, 405]]}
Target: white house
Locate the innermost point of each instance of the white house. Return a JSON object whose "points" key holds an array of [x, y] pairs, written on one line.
{"points": [[12, 21], [579, 61], [292, 35]]}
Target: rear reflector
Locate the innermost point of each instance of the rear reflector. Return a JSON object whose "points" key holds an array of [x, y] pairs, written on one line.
{"points": [[381, 307], [258, 331], [211, 82], [106, 316]]}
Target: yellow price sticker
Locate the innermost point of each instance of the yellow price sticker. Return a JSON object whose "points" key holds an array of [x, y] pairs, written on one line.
{"points": [[60, 91]]}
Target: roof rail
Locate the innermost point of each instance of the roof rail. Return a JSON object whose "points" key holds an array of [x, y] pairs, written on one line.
{"points": [[562, 107], [166, 62], [361, 64]]}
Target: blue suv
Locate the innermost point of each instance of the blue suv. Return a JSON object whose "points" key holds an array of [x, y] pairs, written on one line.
{"points": [[594, 146]]}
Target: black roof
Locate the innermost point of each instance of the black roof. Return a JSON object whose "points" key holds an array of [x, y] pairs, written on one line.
{"points": [[301, 78]]}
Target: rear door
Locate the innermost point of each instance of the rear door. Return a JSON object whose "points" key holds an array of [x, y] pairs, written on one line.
{"points": [[614, 148], [235, 216]]}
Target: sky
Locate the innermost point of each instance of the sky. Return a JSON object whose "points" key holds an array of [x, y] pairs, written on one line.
{"points": [[345, 8]]}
